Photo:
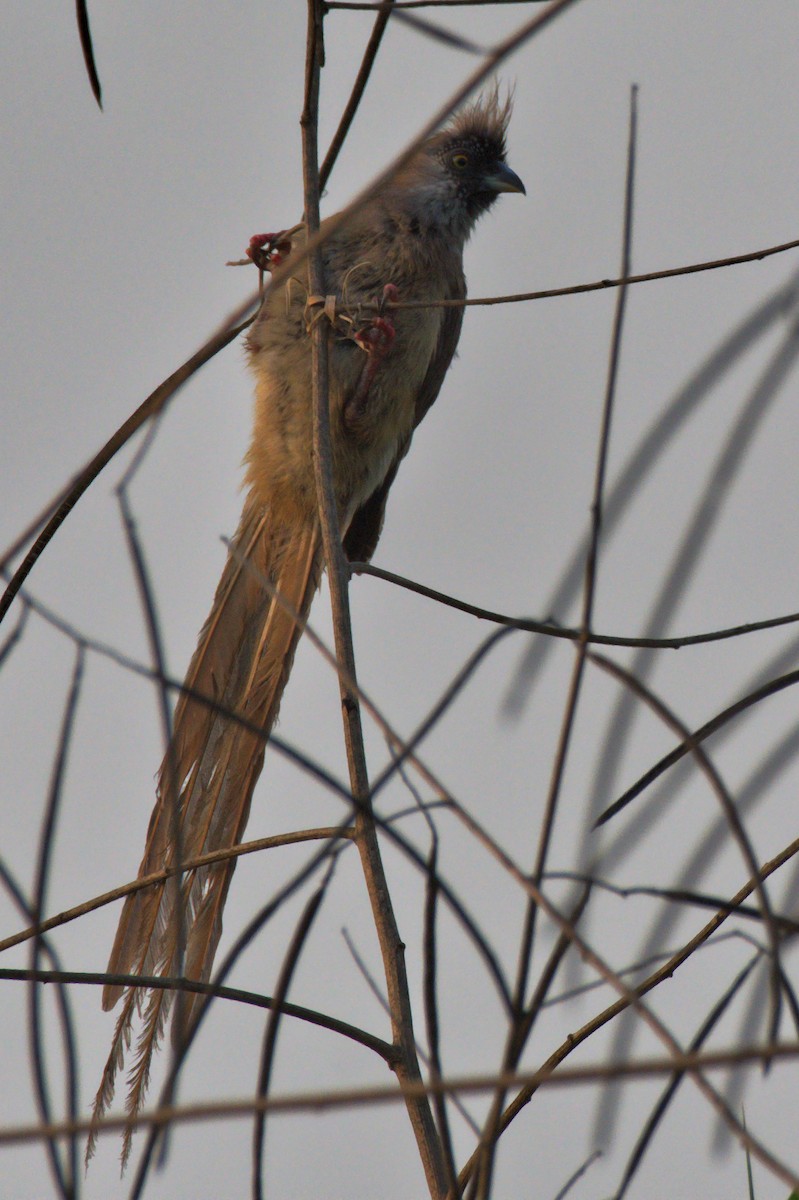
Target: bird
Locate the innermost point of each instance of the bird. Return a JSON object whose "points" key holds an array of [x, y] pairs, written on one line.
{"points": [[386, 368]]}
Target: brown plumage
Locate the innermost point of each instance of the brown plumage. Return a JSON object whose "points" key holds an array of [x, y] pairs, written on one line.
{"points": [[410, 235]]}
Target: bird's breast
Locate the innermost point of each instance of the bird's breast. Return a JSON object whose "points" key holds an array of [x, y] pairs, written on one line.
{"points": [[374, 384]]}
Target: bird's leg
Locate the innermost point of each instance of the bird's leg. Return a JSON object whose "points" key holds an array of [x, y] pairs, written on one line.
{"points": [[376, 338]]}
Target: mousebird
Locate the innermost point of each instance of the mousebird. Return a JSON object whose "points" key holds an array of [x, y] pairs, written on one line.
{"points": [[406, 243]]}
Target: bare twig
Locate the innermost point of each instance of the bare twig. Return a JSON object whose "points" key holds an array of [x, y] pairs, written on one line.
{"points": [[237, 995], [565, 632], [321, 1101], [429, 987], [665, 972], [786, 925], [391, 944], [437, 32], [374, 988], [728, 807], [601, 285], [85, 32], [578, 1174], [772, 688], [356, 95], [290, 963], [515, 1043], [145, 881], [379, 5], [50, 521], [708, 1025], [596, 522], [65, 1177]]}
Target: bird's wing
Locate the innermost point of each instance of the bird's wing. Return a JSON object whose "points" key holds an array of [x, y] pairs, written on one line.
{"points": [[360, 541], [446, 346]]}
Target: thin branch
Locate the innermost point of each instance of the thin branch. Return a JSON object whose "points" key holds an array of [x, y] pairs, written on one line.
{"points": [[438, 33], [85, 34], [740, 835], [785, 924], [659, 1111], [378, 6], [66, 1179], [356, 95], [59, 509], [550, 970], [15, 634], [570, 710], [430, 989], [372, 984], [567, 633], [636, 968], [156, 877], [663, 973], [405, 750], [578, 1174], [772, 688], [323, 1101], [269, 1048], [601, 285], [180, 984], [391, 945]]}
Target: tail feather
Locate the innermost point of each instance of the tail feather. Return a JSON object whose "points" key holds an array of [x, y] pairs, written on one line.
{"points": [[206, 780]]}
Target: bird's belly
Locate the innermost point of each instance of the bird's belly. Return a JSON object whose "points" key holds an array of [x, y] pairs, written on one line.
{"points": [[369, 435]]}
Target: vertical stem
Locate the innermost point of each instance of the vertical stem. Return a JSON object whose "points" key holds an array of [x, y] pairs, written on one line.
{"points": [[522, 1024], [391, 945]]}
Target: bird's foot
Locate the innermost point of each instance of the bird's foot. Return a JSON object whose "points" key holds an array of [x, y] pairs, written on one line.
{"points": [[376, 338], [267, 250], [377, 335]]}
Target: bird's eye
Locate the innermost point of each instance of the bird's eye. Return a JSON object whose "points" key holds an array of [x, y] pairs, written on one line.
{"points": [[460, 161]]}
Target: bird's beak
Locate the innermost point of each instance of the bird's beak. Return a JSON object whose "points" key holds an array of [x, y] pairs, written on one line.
{"points": [[502, 179]]}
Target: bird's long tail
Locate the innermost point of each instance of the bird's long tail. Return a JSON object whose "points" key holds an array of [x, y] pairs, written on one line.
{"points": [[206, 780]]}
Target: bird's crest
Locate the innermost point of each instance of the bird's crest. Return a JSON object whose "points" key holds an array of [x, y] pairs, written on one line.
{"points": [[486, 117]]}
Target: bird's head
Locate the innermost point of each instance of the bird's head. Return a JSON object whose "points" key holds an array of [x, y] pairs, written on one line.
{"points": [[460, 171]]}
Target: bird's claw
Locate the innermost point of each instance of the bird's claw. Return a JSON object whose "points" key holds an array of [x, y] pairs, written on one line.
{"points": [[267, 250], [375, 338], [377, 335]]}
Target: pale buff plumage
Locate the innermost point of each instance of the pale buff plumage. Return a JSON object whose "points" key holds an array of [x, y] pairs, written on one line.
{"points": [[410, 234]]}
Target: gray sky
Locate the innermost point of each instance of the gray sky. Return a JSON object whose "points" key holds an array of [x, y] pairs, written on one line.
{"points": [[116, 227]]}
